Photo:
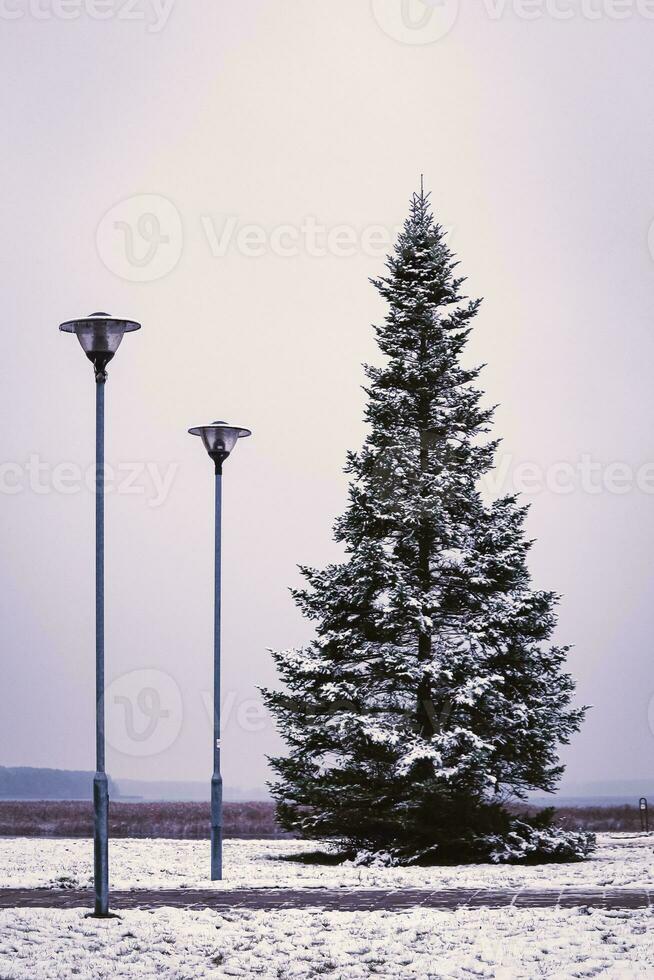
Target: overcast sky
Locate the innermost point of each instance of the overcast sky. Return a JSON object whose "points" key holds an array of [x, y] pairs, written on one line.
{"points": [[230, 175]]}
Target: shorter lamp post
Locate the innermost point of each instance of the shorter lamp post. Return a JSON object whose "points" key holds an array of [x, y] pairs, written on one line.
{"points": [[644, 815], [219, 440], [100, 336]]}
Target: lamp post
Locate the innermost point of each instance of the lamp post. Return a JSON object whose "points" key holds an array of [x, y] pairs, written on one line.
{"points": [[100, 336], [219, 440]]}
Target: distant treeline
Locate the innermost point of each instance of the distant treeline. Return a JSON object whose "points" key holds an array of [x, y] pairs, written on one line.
{"points": [[25, 783]]}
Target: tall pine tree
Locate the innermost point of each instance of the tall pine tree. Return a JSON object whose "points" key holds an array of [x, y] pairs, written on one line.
{"points": [[430, 697]]}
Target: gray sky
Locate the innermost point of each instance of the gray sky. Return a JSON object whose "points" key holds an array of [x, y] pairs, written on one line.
{"points": [[137, 150]]}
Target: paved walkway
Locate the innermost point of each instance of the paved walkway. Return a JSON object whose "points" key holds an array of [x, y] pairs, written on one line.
{"points": [[341, 900]]}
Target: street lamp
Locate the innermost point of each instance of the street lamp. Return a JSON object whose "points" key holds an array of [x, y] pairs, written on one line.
{"points": [[100, 336], [219, 440]]}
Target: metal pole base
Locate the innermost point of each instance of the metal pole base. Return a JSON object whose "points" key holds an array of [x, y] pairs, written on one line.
{"points": [[216, 828], [101, 844]]}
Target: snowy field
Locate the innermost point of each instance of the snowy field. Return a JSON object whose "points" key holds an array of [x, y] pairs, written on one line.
{"points": [[177, 944], [39, 944], [620, 861]]}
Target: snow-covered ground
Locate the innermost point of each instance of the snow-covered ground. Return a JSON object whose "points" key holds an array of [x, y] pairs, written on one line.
{"points": [[170, 944], [620, 861], [181, 944]]}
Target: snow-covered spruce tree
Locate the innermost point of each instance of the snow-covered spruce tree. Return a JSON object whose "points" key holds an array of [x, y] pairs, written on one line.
{"points": [[430, 698]]}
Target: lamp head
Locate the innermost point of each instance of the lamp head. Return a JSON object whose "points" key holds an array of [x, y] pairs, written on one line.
{"points": [[100, 335], [219, 439]]}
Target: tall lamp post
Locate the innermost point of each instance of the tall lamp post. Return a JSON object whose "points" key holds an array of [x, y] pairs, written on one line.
{"points": [[100, 336], [219, 440]]}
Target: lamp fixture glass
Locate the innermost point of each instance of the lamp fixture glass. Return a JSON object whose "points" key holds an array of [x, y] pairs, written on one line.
{"points": [[219, 438], [100, 336]]}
